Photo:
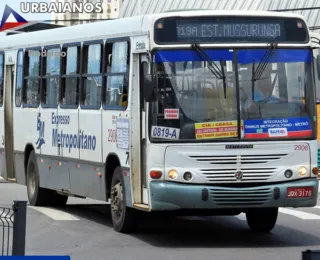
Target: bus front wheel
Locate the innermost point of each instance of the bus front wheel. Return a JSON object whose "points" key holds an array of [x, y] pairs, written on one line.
{"points": [[262, 220], [122, 216]]}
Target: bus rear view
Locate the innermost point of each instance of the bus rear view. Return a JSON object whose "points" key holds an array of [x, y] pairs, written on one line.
{"points": [[231, 115]]}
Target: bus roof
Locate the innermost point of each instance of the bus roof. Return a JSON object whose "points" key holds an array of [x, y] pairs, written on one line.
{"points": [[115, 28]]}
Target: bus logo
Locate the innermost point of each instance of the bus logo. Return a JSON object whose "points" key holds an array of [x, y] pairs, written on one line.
{"points": [[239, 175], [40, 129], [7, 23]]}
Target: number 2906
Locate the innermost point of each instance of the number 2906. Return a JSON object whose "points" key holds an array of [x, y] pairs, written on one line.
{"points": [[301, 147]]}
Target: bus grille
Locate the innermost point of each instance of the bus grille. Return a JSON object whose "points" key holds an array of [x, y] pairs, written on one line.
{"points": [[248, 174], [224, 167], [240, 197], [239, 159]]}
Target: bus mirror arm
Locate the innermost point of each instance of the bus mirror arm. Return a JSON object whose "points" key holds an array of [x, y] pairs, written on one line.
{"points": [[149, 88]]}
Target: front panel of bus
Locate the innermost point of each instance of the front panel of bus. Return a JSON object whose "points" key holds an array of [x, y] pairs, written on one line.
{"points": [[234, 114]]}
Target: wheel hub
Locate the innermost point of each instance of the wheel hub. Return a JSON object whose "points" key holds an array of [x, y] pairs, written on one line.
{"points": [[117, 199], [32, 181]]}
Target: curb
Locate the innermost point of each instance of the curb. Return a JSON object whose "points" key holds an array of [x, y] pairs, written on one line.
{"points": [[3, 180], [8, 180]]}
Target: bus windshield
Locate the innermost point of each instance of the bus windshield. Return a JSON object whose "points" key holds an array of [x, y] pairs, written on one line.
{"points": [[218, 96]]}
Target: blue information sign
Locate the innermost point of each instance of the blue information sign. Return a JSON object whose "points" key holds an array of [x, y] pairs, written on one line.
{"points": [[36, 257]]}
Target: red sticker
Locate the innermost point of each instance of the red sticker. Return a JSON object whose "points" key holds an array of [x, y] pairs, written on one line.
{"points": [[171, 113]]}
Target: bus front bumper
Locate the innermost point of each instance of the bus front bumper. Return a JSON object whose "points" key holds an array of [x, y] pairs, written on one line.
{"points": [[175, 196]]}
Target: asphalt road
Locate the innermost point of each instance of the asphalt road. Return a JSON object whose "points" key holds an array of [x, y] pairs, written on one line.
{"points": [[83, 230]]}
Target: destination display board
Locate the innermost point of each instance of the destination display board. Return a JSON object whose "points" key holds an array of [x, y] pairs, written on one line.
{"points": [[230, 30]]}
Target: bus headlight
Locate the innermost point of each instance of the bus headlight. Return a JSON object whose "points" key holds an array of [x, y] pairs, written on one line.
{"points": [[172, 174], [303, 171], [187, 176], [288, 174]]}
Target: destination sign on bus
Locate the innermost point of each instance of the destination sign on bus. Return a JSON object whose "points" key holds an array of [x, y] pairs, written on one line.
{"points": [[230, 29]]}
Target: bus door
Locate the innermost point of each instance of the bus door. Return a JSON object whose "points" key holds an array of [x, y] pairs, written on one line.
{"points": [[138, 125], [8, 135], [2, 157], [144, 129]]}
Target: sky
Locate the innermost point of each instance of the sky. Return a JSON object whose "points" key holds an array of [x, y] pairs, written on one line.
{"points": [[15, 5]]}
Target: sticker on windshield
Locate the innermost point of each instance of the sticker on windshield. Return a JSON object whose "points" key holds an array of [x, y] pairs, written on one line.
{"points": [[218, 129], [277, 127], [165, 132], [276, 132], [171, 113]]}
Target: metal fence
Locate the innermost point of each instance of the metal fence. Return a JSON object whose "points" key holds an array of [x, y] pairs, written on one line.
{"points": [[13, 229]]}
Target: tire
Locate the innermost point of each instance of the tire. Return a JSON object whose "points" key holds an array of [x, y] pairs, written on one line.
{"points": [[123, 218], [262, 220], [37, 196]]}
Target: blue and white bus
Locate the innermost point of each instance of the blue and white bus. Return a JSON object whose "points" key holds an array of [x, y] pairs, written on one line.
{"points": [[194, 112]]}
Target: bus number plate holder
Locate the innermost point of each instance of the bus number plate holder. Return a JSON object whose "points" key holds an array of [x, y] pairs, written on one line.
{"points": [[299, 192]]}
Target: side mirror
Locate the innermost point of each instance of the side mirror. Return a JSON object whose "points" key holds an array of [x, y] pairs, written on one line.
{"points": [[149, 88], [318, 65]]}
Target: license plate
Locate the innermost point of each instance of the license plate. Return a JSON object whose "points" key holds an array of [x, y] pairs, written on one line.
{"points": [[299, 192]]}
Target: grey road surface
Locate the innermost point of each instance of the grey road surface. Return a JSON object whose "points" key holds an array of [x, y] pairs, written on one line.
{"points": [[83, 230]]}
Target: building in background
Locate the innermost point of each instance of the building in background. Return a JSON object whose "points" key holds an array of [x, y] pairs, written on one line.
{"points": [[111, 10], [309, 9]]}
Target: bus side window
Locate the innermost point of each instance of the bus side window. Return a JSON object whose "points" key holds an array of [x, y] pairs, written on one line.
{"points": [[31, 84], [19, 79], [51, 77], [69, 94], [92, 75], [1, 77], [117, 75]]}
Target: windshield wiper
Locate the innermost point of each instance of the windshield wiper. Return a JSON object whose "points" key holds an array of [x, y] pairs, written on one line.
{"points": [[216, 71], [256, 74]]}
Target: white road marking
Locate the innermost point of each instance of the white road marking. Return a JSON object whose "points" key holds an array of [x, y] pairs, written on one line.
{"points": [[241, 217], [54, 213], [299, 214], [295, 213]]}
